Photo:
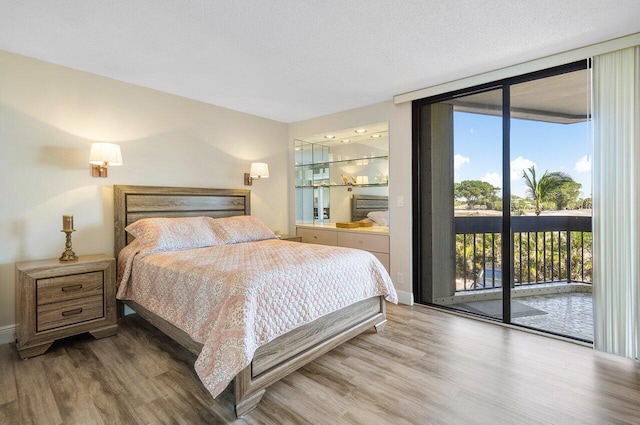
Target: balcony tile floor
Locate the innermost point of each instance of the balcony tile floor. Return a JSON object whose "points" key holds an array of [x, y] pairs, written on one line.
{"points": [[568, 314]]}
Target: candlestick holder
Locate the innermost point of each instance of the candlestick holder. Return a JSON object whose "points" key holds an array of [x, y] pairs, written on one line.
{"points": [[68, 254]]}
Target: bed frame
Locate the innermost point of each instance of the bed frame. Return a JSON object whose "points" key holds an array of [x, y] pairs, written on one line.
{"points": [[274, 360], [361, 205]]}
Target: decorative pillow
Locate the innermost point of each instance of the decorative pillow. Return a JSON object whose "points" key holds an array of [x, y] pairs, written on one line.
{"points": [[241, 228], [381, 218], [173, 234]]}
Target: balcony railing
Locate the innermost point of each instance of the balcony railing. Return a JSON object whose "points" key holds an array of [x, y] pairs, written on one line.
{"points": [[546, 249]]}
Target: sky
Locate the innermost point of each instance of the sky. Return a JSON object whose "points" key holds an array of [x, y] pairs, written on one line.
{"points": [[548, 146]]}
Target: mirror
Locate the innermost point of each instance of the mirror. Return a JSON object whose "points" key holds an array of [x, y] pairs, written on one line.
{"points": [[332, 167]]}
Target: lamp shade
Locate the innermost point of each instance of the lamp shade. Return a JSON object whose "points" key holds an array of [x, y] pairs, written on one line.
{"points": [[105, 153], [362, 179], [259, 170]]}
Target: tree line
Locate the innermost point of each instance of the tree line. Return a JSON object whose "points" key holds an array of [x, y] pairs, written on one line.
{"points": [[551, 191]]}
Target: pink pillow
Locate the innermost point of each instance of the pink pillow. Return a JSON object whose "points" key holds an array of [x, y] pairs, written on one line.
{"points": [[173, 234], [241, 228]]}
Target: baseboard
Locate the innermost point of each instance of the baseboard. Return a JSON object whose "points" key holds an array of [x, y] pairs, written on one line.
{"points": [[7, 334], [405, 297]]}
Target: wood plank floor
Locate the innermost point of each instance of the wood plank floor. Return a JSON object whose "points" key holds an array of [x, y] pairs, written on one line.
{"points": [[428, 367]]}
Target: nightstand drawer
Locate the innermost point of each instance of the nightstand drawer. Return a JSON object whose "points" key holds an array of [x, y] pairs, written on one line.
{"points": [[66, 288], [64, 313]]}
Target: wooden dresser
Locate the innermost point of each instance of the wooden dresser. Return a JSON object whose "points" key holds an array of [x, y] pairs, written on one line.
{"points": [[376, 242], [56, 299]]}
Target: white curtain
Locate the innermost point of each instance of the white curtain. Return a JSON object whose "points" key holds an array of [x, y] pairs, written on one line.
{"points": [[616, 202]]}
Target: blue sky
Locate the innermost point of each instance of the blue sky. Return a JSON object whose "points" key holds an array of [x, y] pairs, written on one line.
{"points": [[548, 146]]}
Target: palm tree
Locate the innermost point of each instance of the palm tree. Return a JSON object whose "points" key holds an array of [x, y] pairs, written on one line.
{"points": [[540, 190]]}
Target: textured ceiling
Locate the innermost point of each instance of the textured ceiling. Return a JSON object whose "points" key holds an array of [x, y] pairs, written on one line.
{"points": [[290, 60]]}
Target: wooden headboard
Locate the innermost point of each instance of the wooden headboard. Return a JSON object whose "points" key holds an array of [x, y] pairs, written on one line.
{"points": [[133, 203], [361, 205]]}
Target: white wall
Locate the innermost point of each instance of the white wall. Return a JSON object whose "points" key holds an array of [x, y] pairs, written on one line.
{"points": [[399, 119], [50, 115]]}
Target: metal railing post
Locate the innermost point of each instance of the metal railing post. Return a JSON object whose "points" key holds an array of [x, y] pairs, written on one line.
{"points": [[569, 256]]}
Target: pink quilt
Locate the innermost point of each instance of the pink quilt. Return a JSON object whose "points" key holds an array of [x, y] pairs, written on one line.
{"points": [[235, 298]]}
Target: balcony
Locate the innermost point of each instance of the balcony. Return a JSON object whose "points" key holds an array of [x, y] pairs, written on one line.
{"points": [[552, 269]]}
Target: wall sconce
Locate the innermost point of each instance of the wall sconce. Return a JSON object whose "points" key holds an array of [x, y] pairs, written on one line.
{"points": [[362, 179], [103, 155], [259, 170]]}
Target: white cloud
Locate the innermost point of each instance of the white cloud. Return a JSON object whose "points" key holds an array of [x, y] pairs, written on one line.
{"points": [[492, 178], [459, 161], [583, 165], [518, 165]]}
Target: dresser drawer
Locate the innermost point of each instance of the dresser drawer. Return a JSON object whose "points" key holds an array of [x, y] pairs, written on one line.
{"points": [[55, 315], [323, 237], [384, 259], [366, 241], [66, 288]]}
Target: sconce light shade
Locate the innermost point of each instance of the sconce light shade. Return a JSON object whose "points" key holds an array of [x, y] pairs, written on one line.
{"points": [[259, 170], [103, 155], [362, 179]]}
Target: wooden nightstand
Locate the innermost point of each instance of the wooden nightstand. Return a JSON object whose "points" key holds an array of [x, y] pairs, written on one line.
{"points": [[56, 299], [291, 238]]}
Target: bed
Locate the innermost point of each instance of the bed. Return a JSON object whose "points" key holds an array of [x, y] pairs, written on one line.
{"points": [[362, 205], [281, 355]]}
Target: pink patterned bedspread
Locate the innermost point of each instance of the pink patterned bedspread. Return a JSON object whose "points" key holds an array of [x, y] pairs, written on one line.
{"points": [[235, 298]]}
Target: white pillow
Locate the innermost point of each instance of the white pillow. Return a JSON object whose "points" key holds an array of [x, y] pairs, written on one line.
{"points": [[381, 218]]}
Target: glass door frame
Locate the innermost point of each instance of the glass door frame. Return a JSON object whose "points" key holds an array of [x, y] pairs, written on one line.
{"points": [[421, 173]]}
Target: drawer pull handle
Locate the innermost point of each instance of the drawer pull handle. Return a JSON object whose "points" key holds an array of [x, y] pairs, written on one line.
{"points": [[72, 288], [315, 236], [72, 312]]}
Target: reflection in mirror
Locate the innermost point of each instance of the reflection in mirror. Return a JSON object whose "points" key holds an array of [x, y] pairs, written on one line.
{"points": [[329, 171]]}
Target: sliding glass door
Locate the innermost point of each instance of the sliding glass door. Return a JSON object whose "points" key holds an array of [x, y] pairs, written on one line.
{"points": [[463, 150], [487, 241], [550, 164]]}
